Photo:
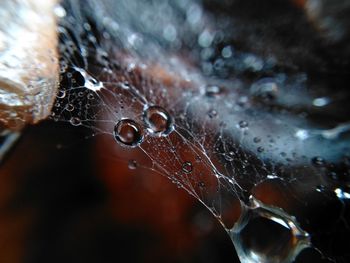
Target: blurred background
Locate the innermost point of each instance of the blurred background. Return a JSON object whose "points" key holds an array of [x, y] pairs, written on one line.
{"points": [[67, 198]]}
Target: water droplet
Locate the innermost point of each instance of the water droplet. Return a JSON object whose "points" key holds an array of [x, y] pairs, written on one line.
{"points": [[128, 133], [243, 124], [187, 167], [302, 134], [158, 121], [265, 88], [90, 96], [75, 121], [59, 11], [318, 161], [201, 184], [61, 94], [212, 91], [70, 107], [320, 188], [212, 113], [260, 149], [284, 245], [205, 39], [341, 194], [320, 102], [132, 164], [226, 52], [90, 82], [229, 156], [256, 140], [170, 33]]}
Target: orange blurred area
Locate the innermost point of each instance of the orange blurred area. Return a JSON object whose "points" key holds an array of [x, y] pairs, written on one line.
{"points": [[67, 198], [300, 3]]}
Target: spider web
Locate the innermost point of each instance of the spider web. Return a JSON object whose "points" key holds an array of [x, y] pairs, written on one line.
{"points": [[241, 120]]}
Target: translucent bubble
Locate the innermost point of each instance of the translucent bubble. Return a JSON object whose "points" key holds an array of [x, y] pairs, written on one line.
{"points": [[187, 167], [128, 133], [132, 164], [75, 121], [158, 121]]}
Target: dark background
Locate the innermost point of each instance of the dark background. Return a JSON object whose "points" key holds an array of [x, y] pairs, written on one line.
{"points": [[63, 199]]}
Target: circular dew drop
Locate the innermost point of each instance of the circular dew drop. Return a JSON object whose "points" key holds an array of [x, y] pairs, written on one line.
{"points": [[70, 107], [158, 121], [187, 167], [128, 133]]}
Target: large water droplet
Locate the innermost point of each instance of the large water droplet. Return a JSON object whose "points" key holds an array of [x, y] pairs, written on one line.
{"points": [[158, 121], [128, 133], [267, 234]]}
